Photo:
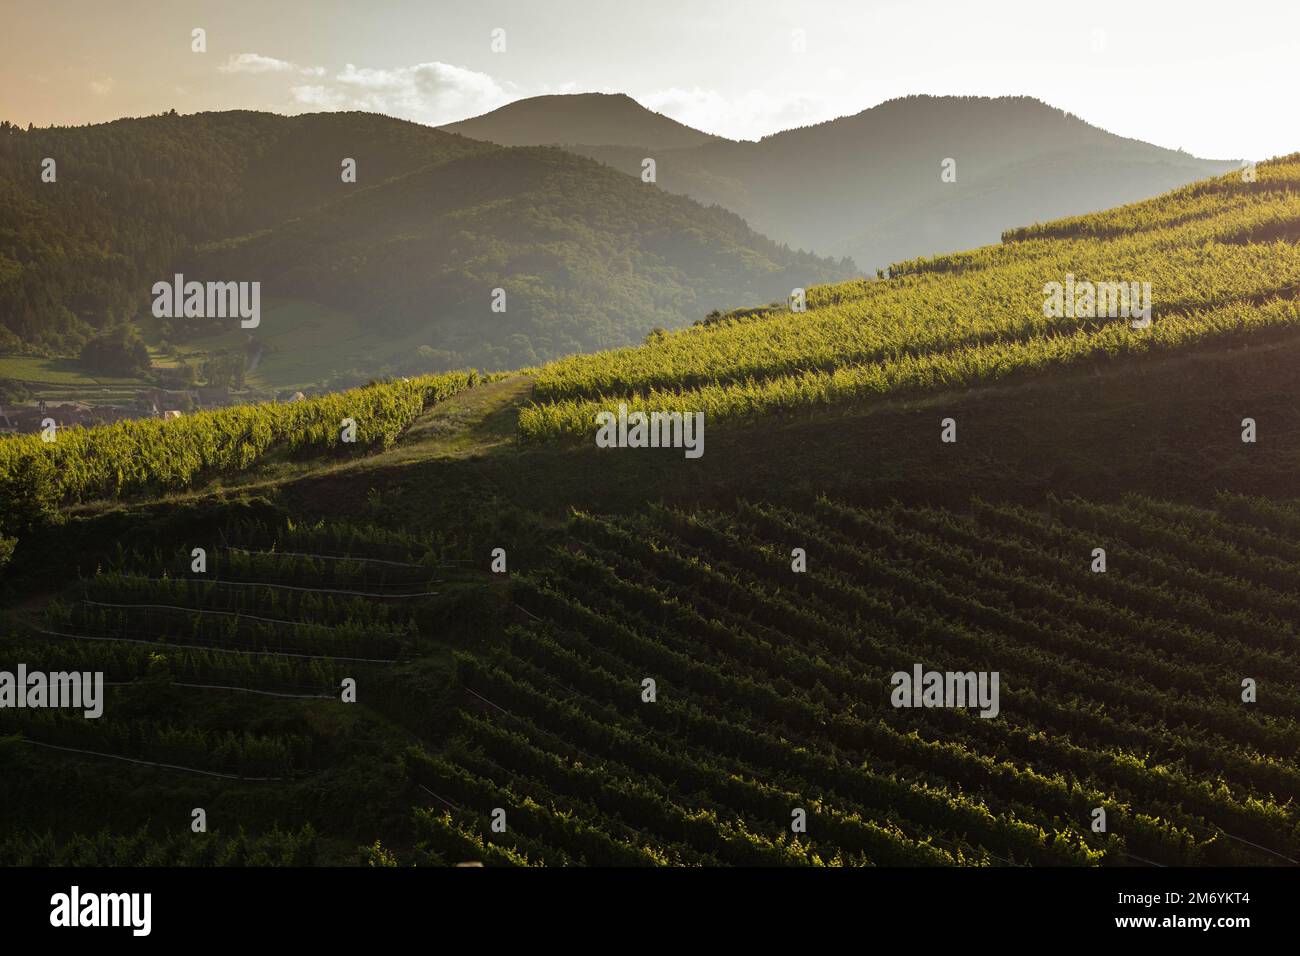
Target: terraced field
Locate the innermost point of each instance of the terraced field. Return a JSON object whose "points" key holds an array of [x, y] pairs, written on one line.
{"points": [[1120, 690]]}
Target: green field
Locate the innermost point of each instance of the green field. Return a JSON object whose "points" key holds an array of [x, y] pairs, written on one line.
{"points": [[58, 373], [304, 344]]}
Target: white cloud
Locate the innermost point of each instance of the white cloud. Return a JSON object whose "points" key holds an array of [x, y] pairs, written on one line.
{"points": [[437, 93], [256, 63], [319, 98], [103, 86], [433, 93]]}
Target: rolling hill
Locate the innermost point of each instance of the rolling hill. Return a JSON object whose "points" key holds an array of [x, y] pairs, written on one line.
{"points": [[133, 195], [1215, 262], [587, 259]]}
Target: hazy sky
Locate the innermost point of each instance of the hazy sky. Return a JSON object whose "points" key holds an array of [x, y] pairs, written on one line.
{"points": [[1216, 79]]}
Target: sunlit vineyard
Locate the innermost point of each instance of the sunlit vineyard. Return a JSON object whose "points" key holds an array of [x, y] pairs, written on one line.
{"points": [[149, 455], [1220, 257]]}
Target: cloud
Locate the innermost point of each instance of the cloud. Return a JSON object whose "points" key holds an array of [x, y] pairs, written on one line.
{"points": [[437, 93], [256, 63], [433, 93], [103, 86]]}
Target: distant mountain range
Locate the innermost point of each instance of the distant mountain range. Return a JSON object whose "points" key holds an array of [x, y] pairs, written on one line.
{"points": [[583, 256], [869, 185]]}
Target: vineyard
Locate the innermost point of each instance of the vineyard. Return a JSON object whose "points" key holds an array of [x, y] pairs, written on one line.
{"points": [[225, 690], [695, 664], [1120, 691], [152, 456], [1220, 257]]}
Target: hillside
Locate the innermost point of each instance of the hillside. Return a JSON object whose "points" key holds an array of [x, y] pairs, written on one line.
{"points": [[1215, 262], [868, 186], [587, 259], [133, 195], [244, 191], [523, 688], [598, 119]]}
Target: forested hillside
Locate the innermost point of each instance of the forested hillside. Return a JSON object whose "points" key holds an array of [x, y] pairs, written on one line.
{"points": [[584, 256], [132, 196], [414, 259]]}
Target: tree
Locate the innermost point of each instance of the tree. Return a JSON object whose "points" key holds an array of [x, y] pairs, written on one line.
{"points": [[29, 496], [224, 368], [118, 350], [12, 390]]}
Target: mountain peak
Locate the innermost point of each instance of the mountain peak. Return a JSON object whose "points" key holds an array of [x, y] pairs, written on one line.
{"points": [[591, 119]]}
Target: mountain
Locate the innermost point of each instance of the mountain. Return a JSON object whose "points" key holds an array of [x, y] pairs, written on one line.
{"points": [[81, 252], [868, 186], [597, 119], [411, 251]]}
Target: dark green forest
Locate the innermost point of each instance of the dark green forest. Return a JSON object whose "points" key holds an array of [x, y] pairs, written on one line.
{"points": [[132, 196], [589, 258]]}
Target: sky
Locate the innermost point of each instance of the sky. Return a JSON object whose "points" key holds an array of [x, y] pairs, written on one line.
{"points": [[1214, 79]]}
